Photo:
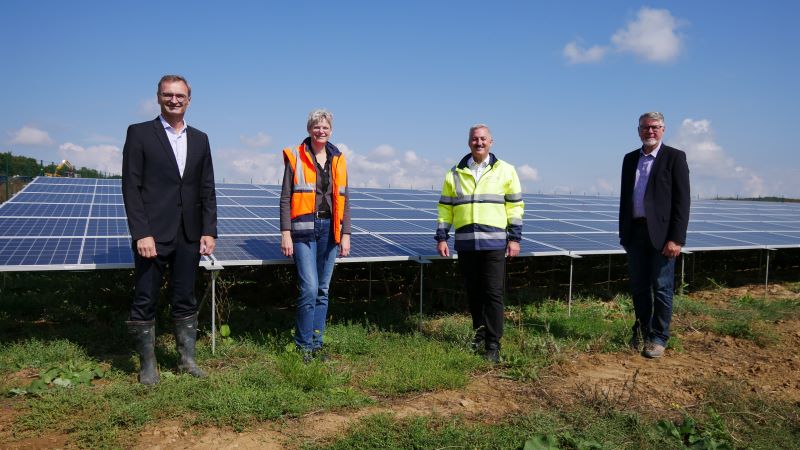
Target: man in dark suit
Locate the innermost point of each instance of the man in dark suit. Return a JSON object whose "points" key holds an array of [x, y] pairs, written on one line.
{"points": [[653, 217], [168, 189]]}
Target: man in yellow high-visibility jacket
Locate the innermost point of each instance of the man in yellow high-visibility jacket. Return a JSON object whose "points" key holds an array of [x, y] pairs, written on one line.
{"points": [[482, 199]]}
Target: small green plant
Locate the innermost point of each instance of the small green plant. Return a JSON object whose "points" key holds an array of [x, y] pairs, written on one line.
{"points": [[62, 377], [711, 437]]}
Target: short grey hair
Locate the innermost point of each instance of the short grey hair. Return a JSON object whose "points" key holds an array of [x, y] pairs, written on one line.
{"points": [[172, 79], [318, 115], [478, 126], [652, 115]]}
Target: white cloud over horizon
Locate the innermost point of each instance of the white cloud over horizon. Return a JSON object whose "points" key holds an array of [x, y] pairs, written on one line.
{"points": [[30, 136], [651, 36], [105, 158], [259, 140], [712, 170]]}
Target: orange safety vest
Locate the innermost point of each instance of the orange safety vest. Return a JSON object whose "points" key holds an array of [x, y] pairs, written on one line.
{"points": [[304, 190]]}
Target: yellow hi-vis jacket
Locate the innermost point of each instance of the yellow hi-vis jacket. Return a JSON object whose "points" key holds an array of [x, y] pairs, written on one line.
{"points": [[485, 214], [304, 190]]}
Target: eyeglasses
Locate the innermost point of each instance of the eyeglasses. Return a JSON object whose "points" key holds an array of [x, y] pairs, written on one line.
{"points": [[168, 95], [650, 127]]}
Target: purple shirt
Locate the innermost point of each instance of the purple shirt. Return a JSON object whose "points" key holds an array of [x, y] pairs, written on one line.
{"points": [[642, 175]]}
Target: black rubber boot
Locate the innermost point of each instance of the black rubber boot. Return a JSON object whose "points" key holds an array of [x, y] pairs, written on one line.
{"points": [[185, 340], [144, 336]]}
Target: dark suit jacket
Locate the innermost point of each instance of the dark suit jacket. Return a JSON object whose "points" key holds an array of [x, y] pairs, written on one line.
{"points": [[156, 198], [666, 199]]}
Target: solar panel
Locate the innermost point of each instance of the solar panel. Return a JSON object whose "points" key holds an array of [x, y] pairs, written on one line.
{"points": [[68, 223]]}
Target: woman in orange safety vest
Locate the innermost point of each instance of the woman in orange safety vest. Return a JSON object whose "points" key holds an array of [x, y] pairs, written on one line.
{"points": [[315, 222]]}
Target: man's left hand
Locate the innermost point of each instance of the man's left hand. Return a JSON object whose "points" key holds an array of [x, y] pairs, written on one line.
{"points": [[207, 245], [512, 249], [671, 249]]}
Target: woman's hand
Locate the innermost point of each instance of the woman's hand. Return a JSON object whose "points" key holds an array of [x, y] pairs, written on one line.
{"points": [[287, 247], [344, 246]]}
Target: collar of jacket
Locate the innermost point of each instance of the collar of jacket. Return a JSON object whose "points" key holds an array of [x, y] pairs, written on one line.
{"points": [[465, 160], [331, 149]]}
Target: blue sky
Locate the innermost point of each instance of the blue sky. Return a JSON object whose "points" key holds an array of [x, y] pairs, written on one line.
{"points": [[561, 84]]}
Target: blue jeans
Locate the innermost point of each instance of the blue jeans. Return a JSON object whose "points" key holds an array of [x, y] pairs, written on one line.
{"points": [[652, 278], [314, 261]]}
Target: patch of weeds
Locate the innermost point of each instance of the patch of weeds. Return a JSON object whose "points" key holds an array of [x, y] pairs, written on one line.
{"points": [[711, 435], [62, 377], [685, 305], [769, 310], [578, 429], [716, 285], [454, 328], [307, 376], [37, 353], [598, 325], [755, 420], [605, 397], [413, 363], [525, 354]]}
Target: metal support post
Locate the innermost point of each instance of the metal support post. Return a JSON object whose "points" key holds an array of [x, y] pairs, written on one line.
{"points": [[369, 286], [421, 273], [569, 298], [212, 265], [213, 312], [766, 277], [422, 263]]}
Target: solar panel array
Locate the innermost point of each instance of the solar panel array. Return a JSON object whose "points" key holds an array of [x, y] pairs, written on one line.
{"points": [[79, 223]]}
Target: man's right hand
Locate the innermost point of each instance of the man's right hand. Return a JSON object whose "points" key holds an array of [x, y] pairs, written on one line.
{"points": [[146, 247], [442, 248]]}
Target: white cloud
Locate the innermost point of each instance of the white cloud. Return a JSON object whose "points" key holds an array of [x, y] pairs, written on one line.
{"points": [[30, 136], [576, 54], [149, 107], [527, 173], [713, 171], [652, 36], [261, 139], [245, 166], [106, 158], [385, 167]]}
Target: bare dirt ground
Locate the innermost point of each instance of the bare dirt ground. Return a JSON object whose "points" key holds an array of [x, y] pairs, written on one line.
{"points": [[622, 380]]}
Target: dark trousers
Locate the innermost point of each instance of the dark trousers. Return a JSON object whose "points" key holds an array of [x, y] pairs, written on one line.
{"points": [[180, 257], [652, 280], [484, 274]]}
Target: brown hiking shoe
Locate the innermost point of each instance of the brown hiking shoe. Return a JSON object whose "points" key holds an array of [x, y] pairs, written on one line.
{"points": [[653, 350]]}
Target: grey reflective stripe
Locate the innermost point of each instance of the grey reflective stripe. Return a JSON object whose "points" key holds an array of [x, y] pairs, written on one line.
{"points": [[300, 185], [514, 197], [342, 190], [480, 198], [482, 235], [445, 200], [444, 226], [297, 226], [457, 183], [515, 221]]}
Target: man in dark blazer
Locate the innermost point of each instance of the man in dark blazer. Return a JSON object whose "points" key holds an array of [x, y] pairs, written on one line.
{"points": [[168, 189], [653, 217]]}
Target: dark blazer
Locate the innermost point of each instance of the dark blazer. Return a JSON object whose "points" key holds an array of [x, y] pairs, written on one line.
{"points": [[666, 199], [156, 197]]}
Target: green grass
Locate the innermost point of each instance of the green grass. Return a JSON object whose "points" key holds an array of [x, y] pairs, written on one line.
{"points": [[62, 321], [745, 317]]}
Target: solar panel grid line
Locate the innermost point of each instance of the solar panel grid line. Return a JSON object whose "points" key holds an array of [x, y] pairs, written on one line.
{"points": [[86, 229]]}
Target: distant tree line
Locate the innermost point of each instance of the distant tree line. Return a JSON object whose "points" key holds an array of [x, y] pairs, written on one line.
{"points": [[28, 167]]}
